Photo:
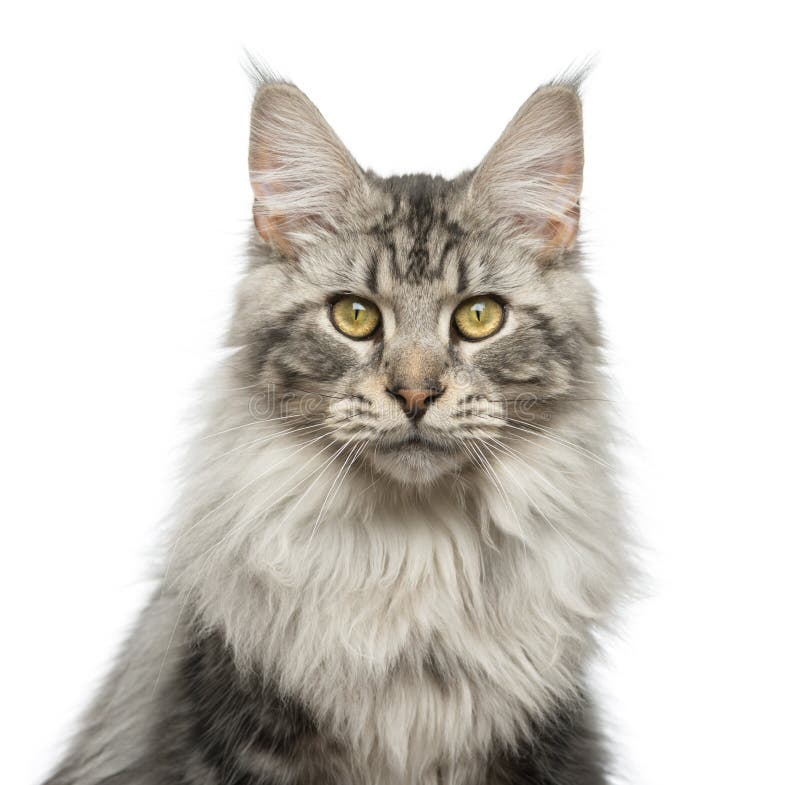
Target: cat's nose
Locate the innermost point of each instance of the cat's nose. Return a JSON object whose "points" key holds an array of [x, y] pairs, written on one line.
{"points": [[415, 402]]}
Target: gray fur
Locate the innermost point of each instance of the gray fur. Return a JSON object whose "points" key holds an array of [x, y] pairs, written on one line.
{"points": [[351, 597]]}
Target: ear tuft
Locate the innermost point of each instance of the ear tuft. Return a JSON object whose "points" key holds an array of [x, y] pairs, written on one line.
{"points": [[529, 184], [303, 178]]}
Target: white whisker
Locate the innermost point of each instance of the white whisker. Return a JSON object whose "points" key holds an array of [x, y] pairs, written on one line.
{"points": [[256, 421]]}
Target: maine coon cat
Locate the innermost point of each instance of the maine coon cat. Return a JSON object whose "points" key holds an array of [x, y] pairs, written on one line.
{"points": [[398, 533]]}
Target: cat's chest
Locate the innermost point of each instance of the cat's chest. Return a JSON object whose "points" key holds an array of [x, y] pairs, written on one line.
{"points": [[426, 731], [415, 648], [436, 728], [441, 691]]}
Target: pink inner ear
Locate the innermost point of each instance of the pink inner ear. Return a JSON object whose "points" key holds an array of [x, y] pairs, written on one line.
{"points": [[532, 176], [269, 227], [303, 178], [557, 230], [563, 231]]}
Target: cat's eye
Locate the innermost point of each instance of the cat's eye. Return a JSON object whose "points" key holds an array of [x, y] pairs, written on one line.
{"points": [[356, 317], [478, 318]]}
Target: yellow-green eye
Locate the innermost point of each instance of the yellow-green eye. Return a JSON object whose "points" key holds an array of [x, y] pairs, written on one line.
{"points": [[478, 318], [355, 317]]}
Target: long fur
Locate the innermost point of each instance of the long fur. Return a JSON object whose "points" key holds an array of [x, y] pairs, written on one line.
{"points": [[500, 585], [425, 612]]}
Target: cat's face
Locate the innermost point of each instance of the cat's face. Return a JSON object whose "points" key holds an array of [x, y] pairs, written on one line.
{"points": [[413, 318]]}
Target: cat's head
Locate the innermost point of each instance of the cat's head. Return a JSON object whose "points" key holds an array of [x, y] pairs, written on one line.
{"points": [[419, 319]]}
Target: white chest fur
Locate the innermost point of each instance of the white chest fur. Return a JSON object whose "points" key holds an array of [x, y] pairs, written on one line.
{"points": [[419, 631]]}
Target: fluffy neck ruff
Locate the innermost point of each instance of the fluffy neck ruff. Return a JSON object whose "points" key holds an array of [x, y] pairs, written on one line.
{"points": [[420, 628]]}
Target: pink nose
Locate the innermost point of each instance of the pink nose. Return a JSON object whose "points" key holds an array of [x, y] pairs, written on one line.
{"points": [[415, 402]]}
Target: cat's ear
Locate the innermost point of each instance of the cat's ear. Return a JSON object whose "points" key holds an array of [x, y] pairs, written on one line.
{"points": [[304, 180], [529, 184]]}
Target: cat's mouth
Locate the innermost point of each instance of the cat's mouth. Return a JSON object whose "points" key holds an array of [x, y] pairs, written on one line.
{"points": [[416, 458], [413, 442]]}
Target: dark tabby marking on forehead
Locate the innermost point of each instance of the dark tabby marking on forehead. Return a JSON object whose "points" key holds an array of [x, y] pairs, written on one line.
{"points": [[418, 207], [463, 277], [371, 280]]}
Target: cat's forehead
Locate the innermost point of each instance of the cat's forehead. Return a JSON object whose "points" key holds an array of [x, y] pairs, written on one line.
{"points": [[419, 238], [418, 243]]}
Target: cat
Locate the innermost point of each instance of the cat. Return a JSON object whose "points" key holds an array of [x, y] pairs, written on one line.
{"points": [[399, 530]]}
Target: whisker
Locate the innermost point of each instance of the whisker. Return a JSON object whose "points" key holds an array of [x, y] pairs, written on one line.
{"points": [[240, 490], [520, 458], [188, 591], [543, 429], [292, 389], [268, 438], [497, 483], [256, 479], [533, 503], [305, 493], [326, 505], [207, 554], [546, 399], [553, 436], [248, 425], [539, 510], [238, 389]]}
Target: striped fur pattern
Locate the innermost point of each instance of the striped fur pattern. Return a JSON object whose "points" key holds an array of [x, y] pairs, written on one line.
{"points": [[352, 597]]}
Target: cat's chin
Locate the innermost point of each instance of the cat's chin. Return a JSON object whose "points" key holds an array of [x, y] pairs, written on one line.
{"points": [[416, 465]]}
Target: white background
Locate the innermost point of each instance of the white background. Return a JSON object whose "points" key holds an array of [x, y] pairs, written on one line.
{"points": [[124, 204]]}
